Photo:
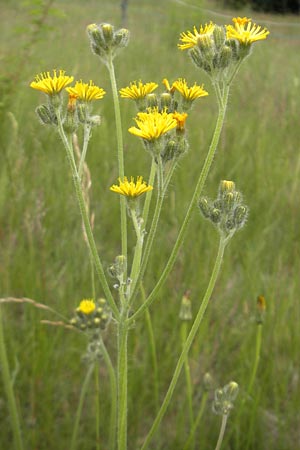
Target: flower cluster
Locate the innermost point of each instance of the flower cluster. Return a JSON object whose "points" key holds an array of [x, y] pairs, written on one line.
{"points": [[79, 98], [224, 398], [91, 315], [217, 49], [106, 41], [227, 212]]}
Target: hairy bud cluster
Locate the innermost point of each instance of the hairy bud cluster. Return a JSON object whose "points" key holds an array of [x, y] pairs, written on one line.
{"points": [[105, 41], [97, 319], [214, 53], [224, 398], [227, 212]]}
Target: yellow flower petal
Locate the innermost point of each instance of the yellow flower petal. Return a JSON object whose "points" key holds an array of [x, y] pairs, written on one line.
{"points": [[86, 91], [245, 31], [153, 124], [189, 39], [51, 85], [130, 188], [137, 90]]}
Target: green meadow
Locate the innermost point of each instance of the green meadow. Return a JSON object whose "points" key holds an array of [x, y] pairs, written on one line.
{"points": [[44, 257]]}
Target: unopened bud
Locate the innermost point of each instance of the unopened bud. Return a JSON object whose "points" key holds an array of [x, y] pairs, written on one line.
{"points": [[216, 215], [205, 207], [185, 312], [121, 38], [225, 57], [207, 381], [165, 100], [219, 36], [46, 115], [231, 391], [206, 46], [226, 186], [240, 215], [152, 100]]}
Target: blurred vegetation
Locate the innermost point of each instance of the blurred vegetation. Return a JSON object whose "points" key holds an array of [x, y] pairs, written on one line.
{"points": [[43, 255]]}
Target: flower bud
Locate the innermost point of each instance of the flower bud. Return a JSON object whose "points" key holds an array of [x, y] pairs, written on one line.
{"points": [[231, 391], [207, 381], [185, 312], [225, 57], [152, 100], [240, 215], [46, 115], [121, 38], [215, 216], [206, 46], [165, 100], [219, 35], [205, 207], [226, 186]]}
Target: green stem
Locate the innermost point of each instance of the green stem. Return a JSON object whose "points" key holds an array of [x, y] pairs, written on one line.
{"points": [[84, 388], [113, 395], [152, 350], [188, 343], [97, 405], [191, 437], [122, 383], [188, 381], [222, 431], [8, 387], [257, 357], [114, 88], [85, 218], [197, 193]]}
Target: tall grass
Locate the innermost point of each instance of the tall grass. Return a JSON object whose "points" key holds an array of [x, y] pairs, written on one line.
{"points": [[43, 256]]}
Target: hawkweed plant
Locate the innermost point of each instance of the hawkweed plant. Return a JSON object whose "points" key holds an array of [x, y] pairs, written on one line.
{"points": [[160, 127]]}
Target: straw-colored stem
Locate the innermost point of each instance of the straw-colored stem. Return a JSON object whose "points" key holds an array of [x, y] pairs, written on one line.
{"points": [[222, 431], [8, 388], [188, 343], [83, 392]]}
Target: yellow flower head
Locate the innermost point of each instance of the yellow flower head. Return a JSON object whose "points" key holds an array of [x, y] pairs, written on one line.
{"points": [[137, 90], [86, 91], [153, 124], [189, 39], [261, 303], [51, 85], [245, 31], [180, 119], [169, 88], [130, 188], [189, 93], [86, 306]]}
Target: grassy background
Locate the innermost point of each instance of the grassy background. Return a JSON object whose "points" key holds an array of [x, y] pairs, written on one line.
{"points": [[43, 256]]}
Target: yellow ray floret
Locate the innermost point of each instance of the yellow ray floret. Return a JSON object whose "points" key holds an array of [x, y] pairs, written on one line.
{"points": [[86, 91], [153, 124], [51, 85], [86, 306], [137, 90], [189, 93], [245, 31], [189, 39], [130, 188], [169, 88]]}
